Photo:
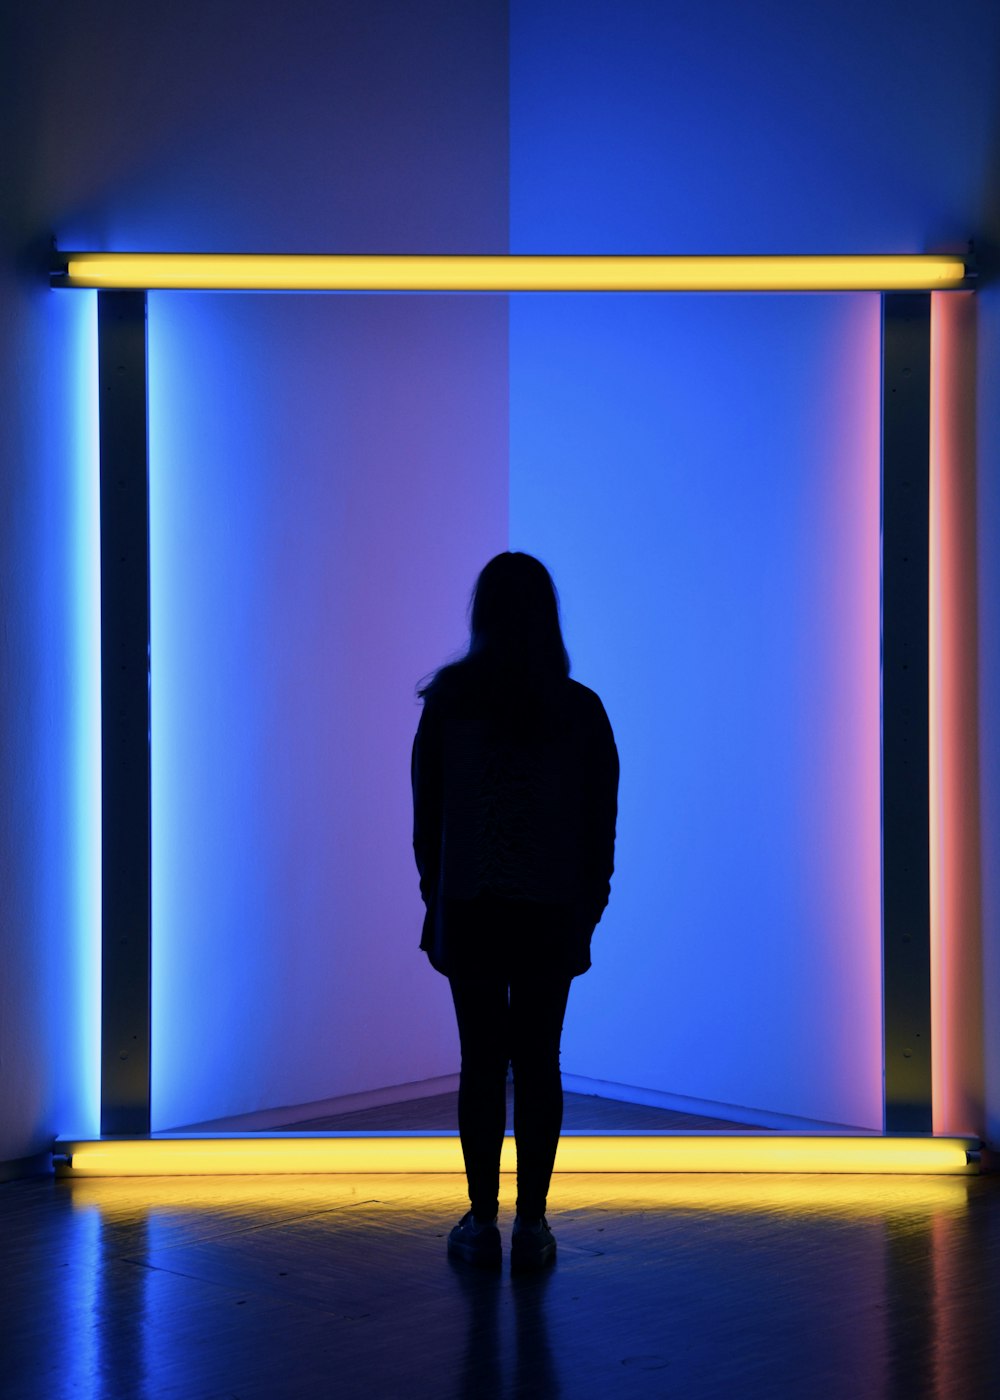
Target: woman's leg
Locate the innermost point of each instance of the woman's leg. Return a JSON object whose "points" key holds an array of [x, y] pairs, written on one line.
{"points": [[537, 1008], [482, 1012]]}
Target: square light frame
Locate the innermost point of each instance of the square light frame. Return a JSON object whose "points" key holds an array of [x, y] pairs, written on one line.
{"points": [[905, 283]]}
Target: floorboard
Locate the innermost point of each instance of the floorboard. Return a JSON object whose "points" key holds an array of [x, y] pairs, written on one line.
{"points": [[854, 1287]]}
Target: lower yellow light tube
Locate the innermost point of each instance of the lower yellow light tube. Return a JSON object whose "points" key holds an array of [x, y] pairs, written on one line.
{"points": [[773, 1152], [525, 273]]}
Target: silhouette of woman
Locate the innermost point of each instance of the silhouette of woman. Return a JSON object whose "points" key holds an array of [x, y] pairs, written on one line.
{"points": [[515, 793]]}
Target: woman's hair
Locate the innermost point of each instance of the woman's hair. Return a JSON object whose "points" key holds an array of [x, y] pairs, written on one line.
{"points": [[515, 645]]}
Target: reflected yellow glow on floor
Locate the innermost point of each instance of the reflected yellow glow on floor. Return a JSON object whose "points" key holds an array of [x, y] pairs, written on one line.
{"points": [[848, 1197], [359, 1155]]}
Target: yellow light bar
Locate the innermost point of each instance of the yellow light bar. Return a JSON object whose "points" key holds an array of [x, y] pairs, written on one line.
{"points": [[291, 273], [724, 1152]]}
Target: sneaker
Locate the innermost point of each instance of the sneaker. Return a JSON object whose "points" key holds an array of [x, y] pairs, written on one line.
{"points": [[532, 1244], [476, 1242]]}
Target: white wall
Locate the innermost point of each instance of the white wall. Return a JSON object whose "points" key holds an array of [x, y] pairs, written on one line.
{"points": [[328, 475], [702, 475], [214, 126], [727, 128]]}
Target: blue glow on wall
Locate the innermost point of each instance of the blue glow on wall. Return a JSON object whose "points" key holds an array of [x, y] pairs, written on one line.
{"points": [[635, 128], [735, 128], [701, 474]]}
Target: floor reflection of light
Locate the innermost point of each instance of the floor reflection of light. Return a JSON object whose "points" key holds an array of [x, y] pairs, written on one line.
{"points": [[872, 1279], [80, 1285], [262, 1196], [103, 1296]]}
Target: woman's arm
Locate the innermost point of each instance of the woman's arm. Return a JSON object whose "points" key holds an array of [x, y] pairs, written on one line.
{"points": [[602, 816], [426, 781]]}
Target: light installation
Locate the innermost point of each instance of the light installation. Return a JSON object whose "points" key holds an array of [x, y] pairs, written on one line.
{"points": [[122, 281]]}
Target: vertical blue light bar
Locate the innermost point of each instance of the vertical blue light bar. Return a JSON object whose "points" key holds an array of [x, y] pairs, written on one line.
{"points": [[85, 1054]]}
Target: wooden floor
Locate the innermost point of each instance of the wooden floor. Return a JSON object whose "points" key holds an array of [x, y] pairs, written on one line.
{"points": [[853, 1287]]}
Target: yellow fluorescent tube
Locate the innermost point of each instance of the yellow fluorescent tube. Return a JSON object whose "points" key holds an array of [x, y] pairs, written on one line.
{"points": [[306, 273], [681, 1153]]}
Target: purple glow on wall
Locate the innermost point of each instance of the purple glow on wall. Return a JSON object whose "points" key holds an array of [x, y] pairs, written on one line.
{"points": [[327, 475]]}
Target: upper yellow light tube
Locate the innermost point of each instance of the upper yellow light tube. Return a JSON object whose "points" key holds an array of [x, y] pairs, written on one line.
{"points": [[308, 273], [771, 1152]]}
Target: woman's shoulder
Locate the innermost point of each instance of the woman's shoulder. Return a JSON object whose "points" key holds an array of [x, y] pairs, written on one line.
{"points": [[588, 716], [460, 692], [587, 701], [456, 697]]}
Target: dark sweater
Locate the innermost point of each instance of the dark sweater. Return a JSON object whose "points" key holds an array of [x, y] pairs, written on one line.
{"points": [[517, 815]]}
